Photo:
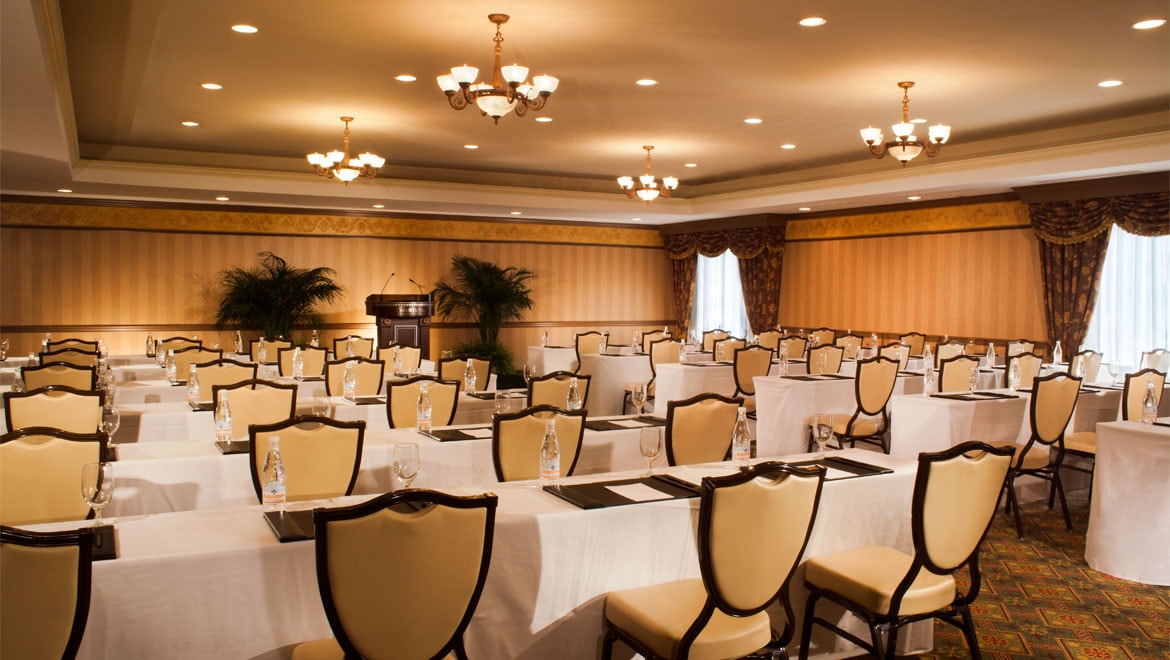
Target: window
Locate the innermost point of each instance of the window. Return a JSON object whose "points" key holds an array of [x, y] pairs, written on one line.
{"points": [[718, 296], [1132, 314]]}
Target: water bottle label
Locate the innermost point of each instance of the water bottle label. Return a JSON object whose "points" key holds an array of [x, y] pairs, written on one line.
{"points": [[273, 494], [550, 471]]}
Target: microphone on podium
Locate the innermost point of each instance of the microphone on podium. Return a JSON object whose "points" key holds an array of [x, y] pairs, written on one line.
{"points": [[411, 280], [387, 282]]}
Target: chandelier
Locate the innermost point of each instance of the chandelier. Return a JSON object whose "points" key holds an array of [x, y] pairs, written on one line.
{"points": [[905, 146], [650, 189], [338, 164], [507, 91]]}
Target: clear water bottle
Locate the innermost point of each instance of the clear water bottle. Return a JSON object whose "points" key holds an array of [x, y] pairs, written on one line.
{"points": [[149, 345], [928, 380], [604, 338], [1079, 372], [298, 364], [1149, 404], [349, 382], [969, 349], [18, 382], [1014, 375], [1057, 353], [973, 382], [990, 355], [423, 410], [550, 454], [741, 439], [172, 369], [239, 343], [273, 477], [783, 366], [682, 353], [262, 352], [469, 378], [349, 352], [45, 342], [396, 366], [637, 341], [544, 338], [574, 399], [316, 340], [160, 356], [192, 387], [223, 418], [927, 355]]}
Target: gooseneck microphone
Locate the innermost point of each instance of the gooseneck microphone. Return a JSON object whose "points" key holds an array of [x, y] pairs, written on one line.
{"points": [[387, 282], [411, 279]]}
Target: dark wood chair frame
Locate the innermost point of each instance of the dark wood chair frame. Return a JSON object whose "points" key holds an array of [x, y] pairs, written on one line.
{"points": [[528, 412], [70, 366], [8, 396], [391, 386], [256, 429]]}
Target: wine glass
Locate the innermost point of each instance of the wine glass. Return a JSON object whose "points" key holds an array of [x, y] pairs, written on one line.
{"points": [[973, 383], [638, 396], [321, 406], [111, 420], [822, 432], [822, 360], [97, 487], [406, 462], [1114, 370], [650, 444], [529, 372]]}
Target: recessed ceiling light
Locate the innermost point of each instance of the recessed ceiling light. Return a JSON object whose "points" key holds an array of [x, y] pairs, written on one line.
{"points": [[517, 213], [646, 82], [222, 198], [406, 77], [804, 208], [919, 120], [1149, 24], [1109, 83], [64, 190], [914, 198], [245, 29], [753, 120], [211, 86], [471, 146], [813, 21], [788, 146], [379, 206], [544, 120], [190, 123], [690, 164]]}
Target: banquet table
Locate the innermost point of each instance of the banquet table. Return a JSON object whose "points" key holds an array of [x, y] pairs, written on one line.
{"points": [[1129, 514], [676, 382], [609, 374], [159, 477], [784, 406], [548, 359], [205, 584]]}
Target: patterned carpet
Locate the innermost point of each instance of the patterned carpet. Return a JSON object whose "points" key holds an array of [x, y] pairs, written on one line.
{"points": [[1041, 600]]}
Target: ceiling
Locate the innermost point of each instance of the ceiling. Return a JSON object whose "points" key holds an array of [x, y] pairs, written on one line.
{"points": [[92, 95]]}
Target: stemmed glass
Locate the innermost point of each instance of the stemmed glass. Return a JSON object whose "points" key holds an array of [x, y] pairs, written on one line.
{"points": [[97, 487], [638, 396], [1114, 370], [973, 384], [111, 420], [822, 432], [529, 372], [321, 406], [822, 360], [650, 444], [406, 462]]}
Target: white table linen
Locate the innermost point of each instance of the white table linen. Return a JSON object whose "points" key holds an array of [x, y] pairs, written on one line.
{"points": [[609, 374], [676, 382], [548, 359], [1129, 515], [218, 584]]}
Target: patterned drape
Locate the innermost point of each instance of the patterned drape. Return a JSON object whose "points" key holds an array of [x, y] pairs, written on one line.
{"points": [[1073, 238], [760, 251]]}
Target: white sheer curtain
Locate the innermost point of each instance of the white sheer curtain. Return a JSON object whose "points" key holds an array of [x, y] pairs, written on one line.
{"points": [[1133, 303], [718, 296]]}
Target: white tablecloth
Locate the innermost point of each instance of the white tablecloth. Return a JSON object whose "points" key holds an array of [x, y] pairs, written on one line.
{"points": [[1129, 516], [610, 373], [784, 406], [552, 358], [676, 382], [208, 584]]}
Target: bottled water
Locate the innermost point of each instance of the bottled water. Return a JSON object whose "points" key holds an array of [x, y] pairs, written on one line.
{"points": [[601, 346], [316, 340], [298, 364], [682, 353], [160, 356], [544, 338], [262, 352], [1057, 353], [783, 359], [469, 378], [18, 382], [172, 369], [550, 454], [396, 366], [1014, 376], [223, 418], [423, 410], [741, 439], [349, 382], [192, 387], [574, 398], [349, 352], [928, 380], [1149, 404], [239, 343], [990, 355], [149, 345], [927, 355], [273, 477]]}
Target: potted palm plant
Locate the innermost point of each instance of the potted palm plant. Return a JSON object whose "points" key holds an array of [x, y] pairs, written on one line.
{"points": [[274, 296], [487, 295]]}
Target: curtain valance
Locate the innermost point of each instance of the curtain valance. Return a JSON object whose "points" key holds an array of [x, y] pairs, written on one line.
{"points": [[744, 243], [1077, 221]]}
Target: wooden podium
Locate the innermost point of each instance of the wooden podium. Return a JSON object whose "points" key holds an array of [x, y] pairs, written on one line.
{"points": [[403, 319]]}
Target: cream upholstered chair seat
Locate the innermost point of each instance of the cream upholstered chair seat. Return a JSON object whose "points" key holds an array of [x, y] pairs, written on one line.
{"points": [[915, 341], [770, 339], [362, 347], [402, 401], [833, 357], [516, 439], [955, 372], [453, 368], [197, 355], [257, 402], [321, 456], [271, 348], [870, 420], [410, 357], [552, 389], [1034, 459], [430, 550], [869, 577], [850, 344], [947, 351], [795, 346], [1133, 394], [222, 372], [863, 426], [1084, 442], [753, 528], [313, 358], [54, 406], [44, 604], [40, 471], [1029, 366], [712, 336], [370, 376], [898, 352]]}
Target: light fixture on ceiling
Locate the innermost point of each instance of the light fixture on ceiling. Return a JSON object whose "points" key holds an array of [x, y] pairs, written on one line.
{"points": [[508, 90], [905, 146], [650, 189], [338, 164]]}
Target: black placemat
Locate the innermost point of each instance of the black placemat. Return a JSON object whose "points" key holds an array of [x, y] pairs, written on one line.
{"points": [[202, 406], [854, 468], [451, 435], [368, 400], [597, 495], [233, 446], [291, 525], [484, 396], [609, 425], [957, 397], [816, 377], [105, 543]]}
